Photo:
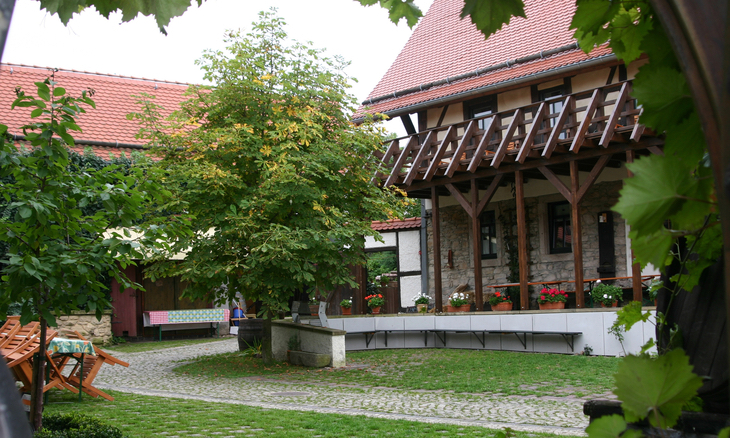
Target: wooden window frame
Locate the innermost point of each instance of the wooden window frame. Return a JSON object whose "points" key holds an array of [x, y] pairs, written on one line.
{"points": [[552, 227], [488, 216]]}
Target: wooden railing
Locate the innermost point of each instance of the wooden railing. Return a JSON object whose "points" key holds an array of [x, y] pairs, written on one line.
{"points": [[589, 119]]}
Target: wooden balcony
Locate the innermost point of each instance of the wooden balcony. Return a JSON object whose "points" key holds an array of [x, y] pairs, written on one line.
{"points": [[585, 126]]}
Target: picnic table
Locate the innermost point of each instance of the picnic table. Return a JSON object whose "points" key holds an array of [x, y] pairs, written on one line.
{"points": [[159, 318], [69, 349]]}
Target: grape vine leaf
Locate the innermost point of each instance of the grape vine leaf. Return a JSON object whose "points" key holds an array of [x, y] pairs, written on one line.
{"points": [[656, 388], [489, 15], [398, 9], [664, 95], [609, 426], [627, 34]]}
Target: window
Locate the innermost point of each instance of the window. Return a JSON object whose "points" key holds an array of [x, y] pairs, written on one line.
{"points": [[479, 108], [489, 235], [560, 230], [554, 99]]}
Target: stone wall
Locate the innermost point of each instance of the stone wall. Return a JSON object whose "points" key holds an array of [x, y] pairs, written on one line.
{"points": [[543, 266], [99, 332]]}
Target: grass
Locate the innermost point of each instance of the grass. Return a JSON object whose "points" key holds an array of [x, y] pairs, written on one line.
{"points": [[466, 371], [138, 347], [142, 417]]}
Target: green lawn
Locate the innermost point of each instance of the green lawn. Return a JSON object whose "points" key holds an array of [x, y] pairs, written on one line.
{"points": [[466, 371], [137, 347], [146, 417]]}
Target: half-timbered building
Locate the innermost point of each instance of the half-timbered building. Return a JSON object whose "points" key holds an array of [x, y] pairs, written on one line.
{"points": [[517, 144]]}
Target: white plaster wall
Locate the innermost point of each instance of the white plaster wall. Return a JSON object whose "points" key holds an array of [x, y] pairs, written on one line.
{"points": [[409, 287], [388, 240], [593, 324], [409, 245]]}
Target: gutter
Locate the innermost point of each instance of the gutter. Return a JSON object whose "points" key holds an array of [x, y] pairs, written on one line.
{"points": [[485, 89], [113, 144]]}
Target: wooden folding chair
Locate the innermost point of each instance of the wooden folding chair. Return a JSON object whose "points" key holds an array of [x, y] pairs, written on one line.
{"points": [[20, 363], [89, 370], [11, 326], [23, 335]]}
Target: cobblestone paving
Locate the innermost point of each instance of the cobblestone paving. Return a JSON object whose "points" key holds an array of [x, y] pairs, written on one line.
{"points": [[150, 373]]}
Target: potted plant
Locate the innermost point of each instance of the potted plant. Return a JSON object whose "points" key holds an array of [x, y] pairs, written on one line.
{"points": [[375, 301], [653, 290], [606, 294], [313, 306], [500, 302], [346, 306], [421, 301], [551, 299], [459, 302]]}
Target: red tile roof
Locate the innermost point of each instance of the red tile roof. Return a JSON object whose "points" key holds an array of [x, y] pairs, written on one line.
{"points": [[444, 46], [113, 97], [396, 224]]}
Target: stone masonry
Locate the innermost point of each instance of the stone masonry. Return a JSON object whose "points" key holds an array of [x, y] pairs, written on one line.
{"points": [[98, 331], [543, 266]]}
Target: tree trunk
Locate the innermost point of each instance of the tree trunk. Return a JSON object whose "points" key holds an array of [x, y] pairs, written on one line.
{"points": [[266, 351], [36, 391]]}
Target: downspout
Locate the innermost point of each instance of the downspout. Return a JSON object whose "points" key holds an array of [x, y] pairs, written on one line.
{"points": [[424, 250]]}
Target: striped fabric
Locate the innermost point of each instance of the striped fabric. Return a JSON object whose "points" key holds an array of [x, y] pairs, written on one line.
{"points": [[188, 316]]}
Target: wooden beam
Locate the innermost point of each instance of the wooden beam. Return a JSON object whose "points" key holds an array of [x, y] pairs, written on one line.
{"points": [[557, 183], [476, 159], [522, 240], [436, 160], [395, 171], [392, 147], [502, 149], [491, 190], [618, 108], [422, 151], [408, 124], [583, 127], [568, 105], [438, 297], [476, 232], [465, 139], [530, 139], [576, 235], [441, 117], [656, 150], [460, 198], [635, 267], [595, 173]]}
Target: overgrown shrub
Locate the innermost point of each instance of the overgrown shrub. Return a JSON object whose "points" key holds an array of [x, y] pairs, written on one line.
{"points": [[76, 425]]}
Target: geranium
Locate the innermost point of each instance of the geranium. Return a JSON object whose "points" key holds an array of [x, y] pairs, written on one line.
{"points": [[499, 297], [346, 303], [552, 296], [375, 300], [420, 299], [606, 294], [458, 299]]}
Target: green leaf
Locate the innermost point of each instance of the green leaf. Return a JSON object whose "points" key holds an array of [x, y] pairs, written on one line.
{"points": [[611, 426], [630, 314], [59, 91], [398, 9], [43, 91], [656, 388], [665, 96], [724, 433], [489, 16], [36, 112], [628, 32], [591, 15], [652, 247]]}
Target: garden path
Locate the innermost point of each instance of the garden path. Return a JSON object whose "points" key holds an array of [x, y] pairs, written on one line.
{"points": [[150, 373]]}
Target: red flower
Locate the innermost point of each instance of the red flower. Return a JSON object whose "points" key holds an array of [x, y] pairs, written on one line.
{"points": [[497, 294], [505, 299]]}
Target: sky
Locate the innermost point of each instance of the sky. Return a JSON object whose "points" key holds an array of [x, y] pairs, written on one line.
{"points": [[362, 35]]}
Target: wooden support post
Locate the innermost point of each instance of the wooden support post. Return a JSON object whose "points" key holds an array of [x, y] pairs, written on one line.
{"points": [[576, 235], [522, 240], [477, 247], [358, 298], [635, 267], [436, 249]]}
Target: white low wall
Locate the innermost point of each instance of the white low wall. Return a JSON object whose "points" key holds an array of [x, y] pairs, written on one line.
{"points": [[311, 339], [593, 323]]}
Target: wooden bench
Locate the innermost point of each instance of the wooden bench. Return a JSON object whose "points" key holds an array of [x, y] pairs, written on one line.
{"points": [[569, 337], [159, 318]]}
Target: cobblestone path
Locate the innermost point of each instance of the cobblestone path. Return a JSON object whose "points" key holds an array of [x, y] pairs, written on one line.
{"points": [[150, 373]]}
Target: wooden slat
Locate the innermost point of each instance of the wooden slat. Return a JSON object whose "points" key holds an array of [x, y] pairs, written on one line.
{"points": [[476, 231], [465, 139], [559, 185], [530, 139], [422, 151], [577, 235], [436, 226], [395, 171], [656, 150], [595, 173], [613, 118], [392, 147], [502, 150], [460, 198], [436, 160], [638, 129], [476, 159], [491, 190], [583, 128], [558, 127]]}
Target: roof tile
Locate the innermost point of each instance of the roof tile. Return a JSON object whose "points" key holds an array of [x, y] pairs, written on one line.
{"points": [[396, 224]]}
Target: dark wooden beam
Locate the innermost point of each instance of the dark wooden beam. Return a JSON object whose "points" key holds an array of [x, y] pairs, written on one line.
{"points": [[522, 252], [577, 235], [583, 127], [491, 190], [445, 143], [530, 139], [461, 199], [465, 139], [422, 151], [593, 175], [477, 247], [483, 143], [408, 124], [568, 105], [438, 296], [507, 139], [412, 144], [441, 117], [618, 108], [557, 183]]}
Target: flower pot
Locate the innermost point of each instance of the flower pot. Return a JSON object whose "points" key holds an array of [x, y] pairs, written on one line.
{"points": [[656, 302], [376, 310], [615, 304], [464, 308], [422, 308], [346, 310], [314, 309], [552, 306], [501, 307]]}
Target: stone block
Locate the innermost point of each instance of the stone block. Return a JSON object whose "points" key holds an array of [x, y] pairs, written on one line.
{"points": [[307, 359]]}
